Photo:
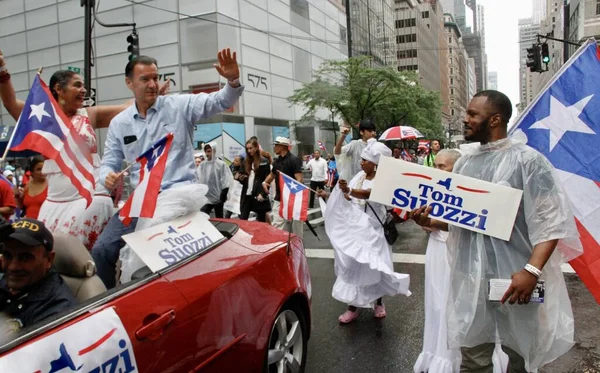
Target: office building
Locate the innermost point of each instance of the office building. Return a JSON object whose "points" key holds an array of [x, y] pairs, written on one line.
{"points": [[422, 46], [279, 45], [372, 30], [528, 31], [493, 80]]}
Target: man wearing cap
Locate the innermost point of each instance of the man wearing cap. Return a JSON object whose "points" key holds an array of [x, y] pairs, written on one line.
{"points": [[290, 165], [30, 290]]}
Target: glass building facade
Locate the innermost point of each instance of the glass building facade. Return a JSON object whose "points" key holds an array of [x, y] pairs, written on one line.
{"points": [[372, 30]]}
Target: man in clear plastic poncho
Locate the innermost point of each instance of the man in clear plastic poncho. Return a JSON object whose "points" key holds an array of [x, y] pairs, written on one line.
{"points": [[532, 334], [217, 176]]}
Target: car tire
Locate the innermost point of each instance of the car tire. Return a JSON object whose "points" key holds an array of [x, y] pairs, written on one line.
{"points": [[290, 352]]}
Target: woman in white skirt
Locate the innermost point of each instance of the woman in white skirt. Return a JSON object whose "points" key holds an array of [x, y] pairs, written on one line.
{"points": [[363, 260], [436, 357], [65, 209]]}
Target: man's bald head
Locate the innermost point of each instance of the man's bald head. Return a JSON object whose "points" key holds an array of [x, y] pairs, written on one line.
{"points": [[445, 159]]}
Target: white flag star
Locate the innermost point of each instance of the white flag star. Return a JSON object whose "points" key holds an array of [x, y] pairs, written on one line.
{"points": [[38, 111], [563, 119], [293, 186]]}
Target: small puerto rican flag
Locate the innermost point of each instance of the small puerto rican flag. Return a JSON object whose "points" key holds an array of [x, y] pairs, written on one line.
{"points": [[294, 198], [142, 201]]}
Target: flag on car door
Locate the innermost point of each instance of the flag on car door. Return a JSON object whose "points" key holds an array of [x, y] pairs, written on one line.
{"points": [[294, 198]]}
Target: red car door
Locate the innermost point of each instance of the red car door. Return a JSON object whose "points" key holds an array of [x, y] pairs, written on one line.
{"points": [[155, 317]]}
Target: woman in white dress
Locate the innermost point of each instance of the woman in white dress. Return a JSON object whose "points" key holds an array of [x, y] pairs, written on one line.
{"points": [[65, 210], [436, 357], [363, 260]]}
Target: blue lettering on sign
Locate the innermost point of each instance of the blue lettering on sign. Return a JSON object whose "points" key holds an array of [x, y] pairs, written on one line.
{"points": [[444, 205], [122, 361], [183, 247]]}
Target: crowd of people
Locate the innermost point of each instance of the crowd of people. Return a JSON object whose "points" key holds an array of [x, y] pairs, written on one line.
{"points": [[463, 329]]}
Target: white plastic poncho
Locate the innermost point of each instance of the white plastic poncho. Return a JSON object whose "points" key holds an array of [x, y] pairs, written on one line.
{"points": [[215, 174], [539, 333], [436, 357], [171, 204]]}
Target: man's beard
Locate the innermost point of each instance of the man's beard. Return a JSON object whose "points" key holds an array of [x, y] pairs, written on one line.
{"points": [[482, 134]]}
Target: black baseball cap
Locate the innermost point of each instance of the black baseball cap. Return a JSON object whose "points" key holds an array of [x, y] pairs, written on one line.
{"points": [[31, 232]]}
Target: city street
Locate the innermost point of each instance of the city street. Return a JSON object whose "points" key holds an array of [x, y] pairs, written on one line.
{"points": [[393, 344]]}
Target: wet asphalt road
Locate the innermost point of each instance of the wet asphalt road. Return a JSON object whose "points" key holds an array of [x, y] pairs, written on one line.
{"points": [[394, 343]]}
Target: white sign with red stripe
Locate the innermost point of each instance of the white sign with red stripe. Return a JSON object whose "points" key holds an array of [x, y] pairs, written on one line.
{"points": [[96, 344], [459, 200], [168, 243]]}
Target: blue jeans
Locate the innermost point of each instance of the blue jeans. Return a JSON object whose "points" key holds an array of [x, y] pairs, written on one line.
{"points": [[107, 248]]}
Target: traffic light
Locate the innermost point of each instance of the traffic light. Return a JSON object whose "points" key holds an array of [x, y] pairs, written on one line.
{"points": [[134, 45], [545, 54], [533, 59]]}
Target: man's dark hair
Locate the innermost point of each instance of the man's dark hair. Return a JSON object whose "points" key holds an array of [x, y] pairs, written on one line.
{"points": [[500, 103], [144, 60], [366, 124], [439, 142], [253, 138]]}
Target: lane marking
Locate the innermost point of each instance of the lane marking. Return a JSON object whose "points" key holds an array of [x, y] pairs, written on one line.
{"points": [[397, 258]]}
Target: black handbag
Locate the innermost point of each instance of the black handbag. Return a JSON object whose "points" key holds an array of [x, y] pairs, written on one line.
{"points": [[389, 228]]}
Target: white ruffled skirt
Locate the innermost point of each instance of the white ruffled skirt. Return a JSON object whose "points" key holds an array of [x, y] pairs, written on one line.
{"points": [[363, 260]]}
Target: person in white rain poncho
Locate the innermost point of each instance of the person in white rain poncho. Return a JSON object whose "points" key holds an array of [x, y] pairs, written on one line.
{"points": [[215, 174], [532, 334], [436, 357], [363, 259]]}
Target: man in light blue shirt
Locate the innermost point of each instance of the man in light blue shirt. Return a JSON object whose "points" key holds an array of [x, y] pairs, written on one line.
{"points": [[140, 126]]}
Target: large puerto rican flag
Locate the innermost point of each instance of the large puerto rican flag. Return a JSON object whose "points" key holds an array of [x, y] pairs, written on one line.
{"points": [[142, 202], [563, 123], [44, 128], [294, 198]]}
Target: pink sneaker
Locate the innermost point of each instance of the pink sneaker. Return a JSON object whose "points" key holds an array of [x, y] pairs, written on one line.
{"points": [[380, 312], [348, 316]]}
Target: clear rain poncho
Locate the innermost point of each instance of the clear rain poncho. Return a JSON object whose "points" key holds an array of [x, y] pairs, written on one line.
{"points": [[540, 333], [215, 174]]}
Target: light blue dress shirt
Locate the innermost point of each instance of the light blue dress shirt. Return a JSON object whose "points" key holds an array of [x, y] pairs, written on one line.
{"points": [[177, 114]]}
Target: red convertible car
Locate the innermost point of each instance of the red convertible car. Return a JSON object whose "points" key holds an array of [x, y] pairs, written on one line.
{"points": [[240, 305]]}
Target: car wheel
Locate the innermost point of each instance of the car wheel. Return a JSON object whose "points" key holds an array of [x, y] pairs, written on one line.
{"points": [[288, 347]]}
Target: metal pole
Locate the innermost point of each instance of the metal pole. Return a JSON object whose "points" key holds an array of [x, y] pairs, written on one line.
{"points": [[349, 28], [88, 6]]}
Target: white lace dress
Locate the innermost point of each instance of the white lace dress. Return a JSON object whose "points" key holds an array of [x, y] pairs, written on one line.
{"points": [[64, 210]]}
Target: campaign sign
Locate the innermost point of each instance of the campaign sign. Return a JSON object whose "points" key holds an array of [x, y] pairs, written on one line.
{"points": [[168, 243], [96, 344], [459, 200]]}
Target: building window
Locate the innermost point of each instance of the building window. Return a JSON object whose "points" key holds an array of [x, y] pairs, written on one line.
{"points": [[425, 14], [302, 65], [597, 6], [450, 39], [452, 112], [451, 91], [451, 80], [299, 16]]}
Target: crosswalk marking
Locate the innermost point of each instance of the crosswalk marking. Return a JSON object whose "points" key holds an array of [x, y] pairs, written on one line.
{"points": [[396, 257]]}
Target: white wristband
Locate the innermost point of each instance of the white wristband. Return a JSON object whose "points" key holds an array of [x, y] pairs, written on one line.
{"points": [[533, 270], [349, 192]]}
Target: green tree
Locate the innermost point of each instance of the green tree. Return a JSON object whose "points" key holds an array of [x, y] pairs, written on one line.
{"points": [[355, 90]]}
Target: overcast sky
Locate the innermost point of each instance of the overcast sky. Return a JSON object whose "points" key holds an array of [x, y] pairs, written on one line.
{"points": [[502, 42]]}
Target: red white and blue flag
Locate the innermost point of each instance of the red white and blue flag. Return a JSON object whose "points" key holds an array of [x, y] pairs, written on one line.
{"points": [[294, 198], [142, 202], [321, 146], [563, 123], [44, 128]]}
